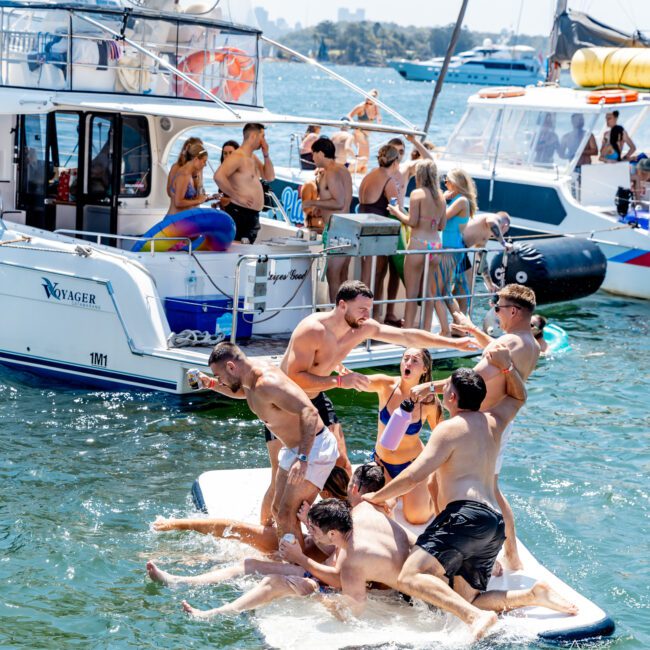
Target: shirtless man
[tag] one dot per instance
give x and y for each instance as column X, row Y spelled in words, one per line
column 514, row 309
column 309, row 450
column 452, row 560
column 334, row 195
column 239, row 178
column 299, row 576
column 321, row 342
column 344, row 144
column 478, row 231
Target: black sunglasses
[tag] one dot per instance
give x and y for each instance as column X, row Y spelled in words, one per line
column 498, row 308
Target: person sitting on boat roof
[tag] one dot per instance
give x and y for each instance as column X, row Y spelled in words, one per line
column 180, row 161
column 239, row 177
column 262, row 536
column 538, row 323
column 612, row 149
column 345, row 144
column 547, row 143
column 368, row 111
column 306, row 157
column 571, row 141
column 611, row 119
column 184, row 194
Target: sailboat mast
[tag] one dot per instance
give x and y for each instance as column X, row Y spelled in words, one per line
column 443, row 71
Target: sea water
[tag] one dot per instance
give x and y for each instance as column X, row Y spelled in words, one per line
column 85, row 473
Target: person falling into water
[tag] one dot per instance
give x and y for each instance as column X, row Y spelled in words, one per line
column 239, row 178
column 308, row 449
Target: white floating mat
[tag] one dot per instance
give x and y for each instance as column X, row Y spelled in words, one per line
column 302, row 623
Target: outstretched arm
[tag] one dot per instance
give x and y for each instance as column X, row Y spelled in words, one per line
column 425, row 154
column 435, row 453
column 465, row 324
column 414, row 338
column 211, row 384
column 331, row 575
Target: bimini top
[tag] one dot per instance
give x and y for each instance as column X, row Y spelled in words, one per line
column 120, row 49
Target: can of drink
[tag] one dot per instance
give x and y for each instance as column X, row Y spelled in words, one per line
column 393, row 200
column 290, row 538
column 193, row 379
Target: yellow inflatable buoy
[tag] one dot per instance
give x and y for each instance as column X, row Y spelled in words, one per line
column 610, row 66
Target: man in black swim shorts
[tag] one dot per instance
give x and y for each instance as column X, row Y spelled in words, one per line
column 452, row 560
column 239, row 178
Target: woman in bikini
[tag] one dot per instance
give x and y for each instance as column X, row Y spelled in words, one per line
column 180, row 161
column 368, row 111
column 375, row 192
column 461, row 206
column 415, row 368
column 426, row 217
column 184, row 193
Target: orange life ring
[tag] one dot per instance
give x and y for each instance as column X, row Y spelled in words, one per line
column 612, row 96
column 236, row 73
column 499, row 92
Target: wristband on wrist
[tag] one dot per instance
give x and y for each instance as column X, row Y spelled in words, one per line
column 510, row 368
column 339, row 381
column 212, row 383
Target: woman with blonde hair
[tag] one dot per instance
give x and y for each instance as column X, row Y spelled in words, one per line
column 461, row 206
column 426, row 218
column 180, row 161
column 184, row 194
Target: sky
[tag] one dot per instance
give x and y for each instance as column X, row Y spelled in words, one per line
column 533, row 16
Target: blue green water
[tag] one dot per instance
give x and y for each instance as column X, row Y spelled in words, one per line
column 84, row 473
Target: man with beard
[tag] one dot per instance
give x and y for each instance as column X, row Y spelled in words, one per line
column 309, row 450
column 321, row 341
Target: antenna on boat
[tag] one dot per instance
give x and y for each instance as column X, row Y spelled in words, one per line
column 120, row 36
column 343, row 80
column 443, row 71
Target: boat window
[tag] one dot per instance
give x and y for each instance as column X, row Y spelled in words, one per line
column 540, row 140
column 33, row 176
column 135, row 177
column 472, row 137
column 57, row 49
column 101, row 159
column 63, row 145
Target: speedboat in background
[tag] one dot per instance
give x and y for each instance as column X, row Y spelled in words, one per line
column 487, row 65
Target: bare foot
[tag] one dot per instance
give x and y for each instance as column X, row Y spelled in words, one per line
column 546, row 596
column 158, row 575
column 162, row 524
column 497, row 569
column 198, row 613
column 481, row 626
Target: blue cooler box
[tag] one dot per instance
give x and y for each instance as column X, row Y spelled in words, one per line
column 207, row 313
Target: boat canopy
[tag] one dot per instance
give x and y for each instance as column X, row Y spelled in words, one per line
column 111, row 49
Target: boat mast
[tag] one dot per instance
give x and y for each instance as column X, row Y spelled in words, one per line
column 443, row 71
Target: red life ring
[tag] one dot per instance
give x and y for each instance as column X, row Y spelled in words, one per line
column 236, row 73
column 612, row 96
column 498, row 92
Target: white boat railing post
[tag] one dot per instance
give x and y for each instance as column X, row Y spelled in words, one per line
column 425, row 290
column 373, row 273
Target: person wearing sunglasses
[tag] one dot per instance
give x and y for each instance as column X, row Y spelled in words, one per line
column 514, row 309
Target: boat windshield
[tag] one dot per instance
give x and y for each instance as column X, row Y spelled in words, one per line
column 59, row 48
column 522, row 138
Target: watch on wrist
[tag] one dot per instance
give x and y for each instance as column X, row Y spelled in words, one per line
column 302, row 458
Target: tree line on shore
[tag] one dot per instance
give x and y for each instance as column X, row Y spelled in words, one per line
column 372, row 43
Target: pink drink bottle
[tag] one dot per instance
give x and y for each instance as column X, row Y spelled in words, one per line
column 397, row 425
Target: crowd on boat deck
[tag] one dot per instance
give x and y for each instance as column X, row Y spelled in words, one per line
column 349, row 542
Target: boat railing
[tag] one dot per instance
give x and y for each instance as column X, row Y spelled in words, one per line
column 315, row 306
column 148, row 240
column 112, row 50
